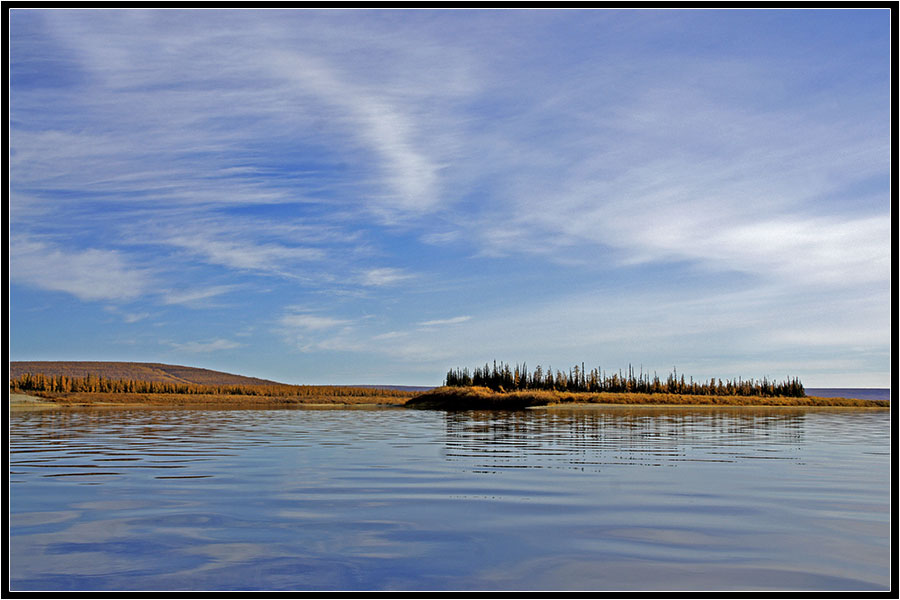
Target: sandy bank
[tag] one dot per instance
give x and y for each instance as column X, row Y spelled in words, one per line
column 26, row 402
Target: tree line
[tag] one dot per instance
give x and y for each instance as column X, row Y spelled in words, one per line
column 39, row 382
column 502, row 377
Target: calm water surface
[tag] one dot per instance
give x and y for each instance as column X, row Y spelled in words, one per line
column 583, row 499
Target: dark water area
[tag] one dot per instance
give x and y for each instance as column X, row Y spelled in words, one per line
column 614, row 499
column 859, row 393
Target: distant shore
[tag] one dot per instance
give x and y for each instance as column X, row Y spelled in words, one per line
column 43, row 400
column 438, row 399
column 36, row 385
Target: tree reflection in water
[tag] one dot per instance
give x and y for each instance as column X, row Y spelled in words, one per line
column 567, row 437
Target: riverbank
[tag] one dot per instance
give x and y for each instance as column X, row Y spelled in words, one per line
column 443, row 398
column 478, row 398
column 135, row 400
column 26, row 402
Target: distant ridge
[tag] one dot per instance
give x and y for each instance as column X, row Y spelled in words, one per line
column 136, row 371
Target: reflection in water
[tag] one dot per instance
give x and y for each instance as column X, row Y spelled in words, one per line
column 610, row 499
column 640, row 436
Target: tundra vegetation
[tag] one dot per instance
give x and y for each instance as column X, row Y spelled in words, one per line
column 93, row 389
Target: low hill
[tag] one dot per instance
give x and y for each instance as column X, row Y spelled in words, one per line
column 136, row 371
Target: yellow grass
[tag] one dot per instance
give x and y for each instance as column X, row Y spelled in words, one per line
column 217, row 400
column 461, row 398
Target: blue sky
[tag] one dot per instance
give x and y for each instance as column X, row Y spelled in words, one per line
column 377, row 196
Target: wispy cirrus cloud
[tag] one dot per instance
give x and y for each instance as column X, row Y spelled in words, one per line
column 450, row 321
column 384, row 276
column 376, row 119
column 676, row 173
column 196, row 297
column 246, row 255
column 276, row 91
column 128, row 316
column 653, row 169
column 311, row 322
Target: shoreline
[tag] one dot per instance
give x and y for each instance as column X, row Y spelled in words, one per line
column 478, row 398
column 19, row 401
column 600, row 405
column 27, row 402
column 439, row 399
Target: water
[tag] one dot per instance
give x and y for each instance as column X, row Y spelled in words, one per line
column 861, row 393
column 561, row 499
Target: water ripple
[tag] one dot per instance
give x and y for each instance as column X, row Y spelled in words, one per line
column 381, row 500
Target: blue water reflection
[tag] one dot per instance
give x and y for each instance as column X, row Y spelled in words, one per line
column 578, row 499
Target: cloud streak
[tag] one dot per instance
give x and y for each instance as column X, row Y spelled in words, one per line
column 197, row 297
column 384, row 276
column 450, row 321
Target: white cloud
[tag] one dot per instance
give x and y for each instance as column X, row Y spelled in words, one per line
column 390, row 335
column 310, row 322
column 91, row 274
column 441, row 237
column 394, row 121
column 126, row 316
column 134, row 317
column 450, row 321
column 196, row 297
column 247, row 255
column 384, row 276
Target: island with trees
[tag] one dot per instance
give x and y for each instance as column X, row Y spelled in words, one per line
column 503, row 386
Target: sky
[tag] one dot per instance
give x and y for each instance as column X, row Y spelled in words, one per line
column 378, row 196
